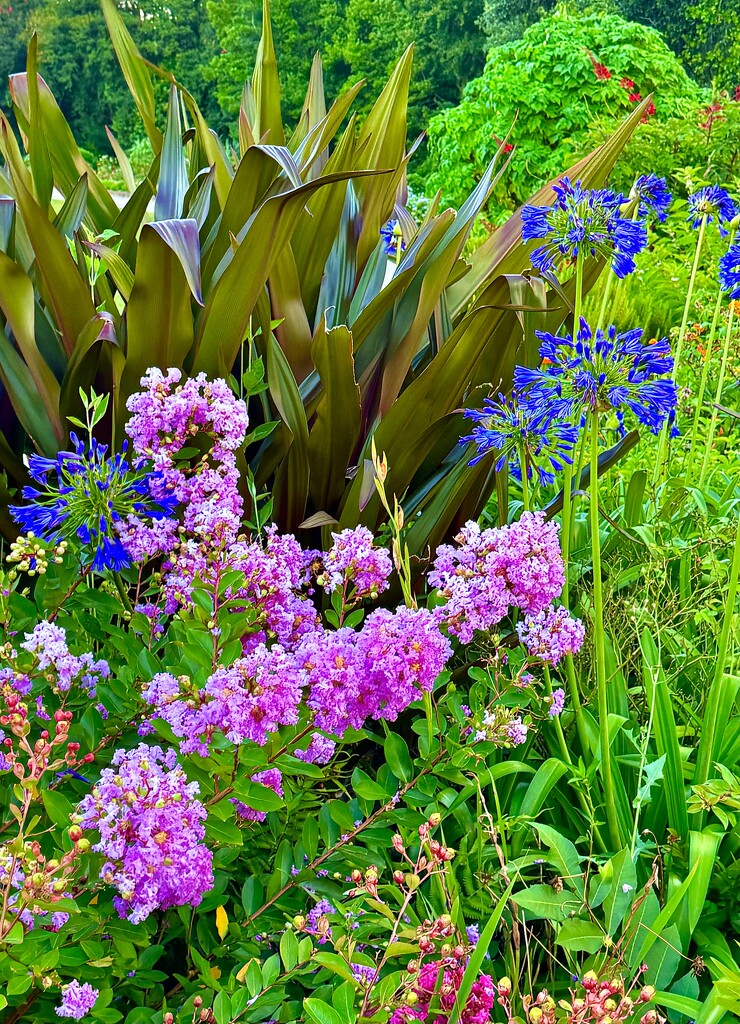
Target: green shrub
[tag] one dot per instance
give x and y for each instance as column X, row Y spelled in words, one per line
column 544, row 89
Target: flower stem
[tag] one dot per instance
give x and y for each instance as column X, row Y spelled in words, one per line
column 689, row 296
column 704, row 375
column 718, row 394
column 679, row 344
column 601, row 683
column 525, row 482
column 120, row 587
column 565, row 538
column 607, row 295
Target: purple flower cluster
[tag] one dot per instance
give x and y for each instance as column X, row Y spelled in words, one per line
column 245, row 701
column 597, row 372
column 715, row 204
column 77, row 1000
column 168, row 416
column 349, row 676
column 316, row 921
column 491, row 570
column 48, row 643
column 551, row 634
column 585, row 222
column 151, row 827
column 354, row 562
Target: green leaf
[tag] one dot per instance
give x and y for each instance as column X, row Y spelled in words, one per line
column 17, row 304
column 291, row 483
column 124, row 163
column 397, row 757
column 320, row 1013
column 173, row 174
column 652, row 772
column 65, row 289
column 38, row 145
column 222, row 1008
column 159, row 316
column 67, row 161
column 134, row 71
column 364, row 786
column 289, row 949
column 542, row 901
column 266, row 85
column 476, row 957
column 580, row 936
column 337, row 422
column 620, row 870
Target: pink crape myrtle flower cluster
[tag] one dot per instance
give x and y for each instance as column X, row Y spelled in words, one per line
column 326, row 675
column 151, row 826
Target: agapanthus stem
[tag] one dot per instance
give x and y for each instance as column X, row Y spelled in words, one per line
column 525, row 482
column 689, row 296
column 710, row 722
column 679, row 344
column 718, row 394
column 607, row 296
column 566, row 534
column 599, row 646
column 705, row 374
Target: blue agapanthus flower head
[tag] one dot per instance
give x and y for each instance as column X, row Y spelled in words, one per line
column 729, row 272
column 587, row 221
column 83, row 495
column 653, row 196
column 715, row 204
column 598, row 372
column 506, row 427
column 391, row 235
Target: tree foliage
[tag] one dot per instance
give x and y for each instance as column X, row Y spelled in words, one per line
column 535, row 88
column 705, row 34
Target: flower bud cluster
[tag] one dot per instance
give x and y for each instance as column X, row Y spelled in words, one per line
column 33, row 555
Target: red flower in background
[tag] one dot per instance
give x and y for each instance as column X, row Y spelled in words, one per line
column 736, row 95
column 635, row 97
column 711, row 114
column 601, row 71
column 649, row 111
column 627, row 84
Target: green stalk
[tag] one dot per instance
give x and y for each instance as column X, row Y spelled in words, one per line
column 564, row 752
column 718, row 394
column 607, row 295
column 689, row 296
column 565, row 538
column 569, row 469
column 601, row 683
column 710, row 723
column 704, row 375
column 121, row 588
column 525, row 481
column 679, row 344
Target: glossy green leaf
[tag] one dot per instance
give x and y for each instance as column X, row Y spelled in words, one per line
column 134, row 71
column 266, row 86
column 62, row 283
column 159, row 319
column 17, row 304
column 173, row 174
column 336, row 425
